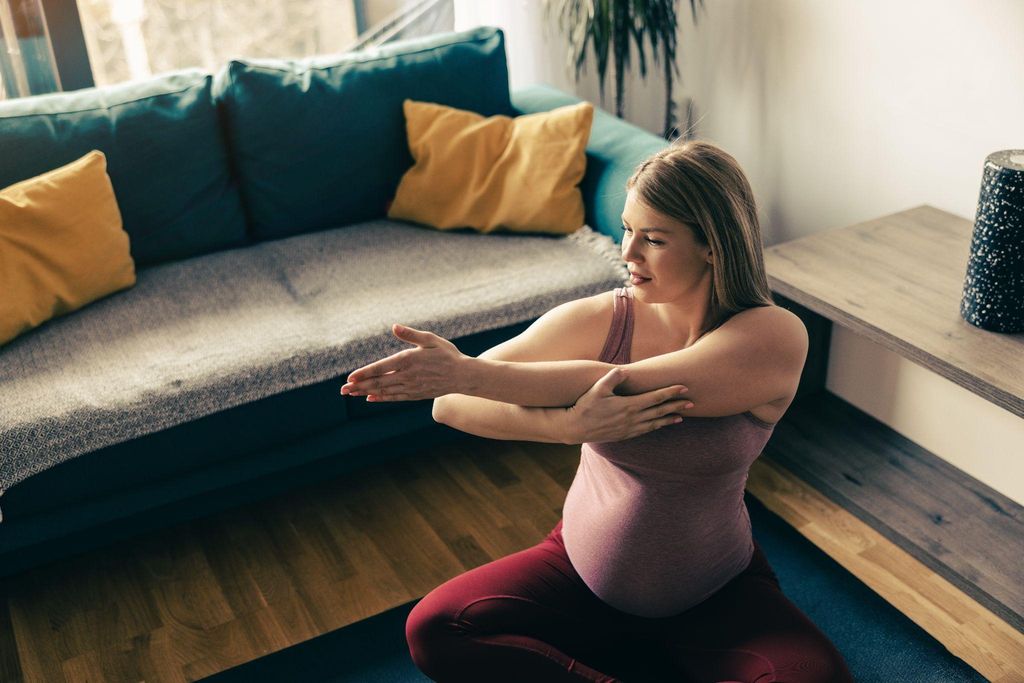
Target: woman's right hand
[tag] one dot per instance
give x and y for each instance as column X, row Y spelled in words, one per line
column 600, row 415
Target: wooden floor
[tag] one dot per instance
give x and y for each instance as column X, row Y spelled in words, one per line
column 205, row 596
column 958, row 527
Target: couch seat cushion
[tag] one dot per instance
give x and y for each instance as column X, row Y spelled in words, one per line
column 205, row 334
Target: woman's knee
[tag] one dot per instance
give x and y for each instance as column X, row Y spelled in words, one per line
column 832, row 666
column 819, row 662
column 788, row 660
column 429, row 633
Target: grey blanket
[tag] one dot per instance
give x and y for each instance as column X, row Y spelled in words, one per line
column 205, row 334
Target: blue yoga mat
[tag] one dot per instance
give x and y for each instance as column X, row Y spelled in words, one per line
column 880, row 644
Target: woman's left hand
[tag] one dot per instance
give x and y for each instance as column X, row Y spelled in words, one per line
column 430, row 370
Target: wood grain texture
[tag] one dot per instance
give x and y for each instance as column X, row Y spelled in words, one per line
column 898, row 280
column 967, row 629
column 961, row 529
column 208, row 595
column 10, row 665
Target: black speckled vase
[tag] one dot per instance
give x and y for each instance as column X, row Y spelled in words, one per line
column 994, row 286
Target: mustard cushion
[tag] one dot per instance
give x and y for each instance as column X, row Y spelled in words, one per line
column 519, row 174
column 62, row 244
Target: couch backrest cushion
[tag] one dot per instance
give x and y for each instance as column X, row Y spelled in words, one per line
column 320, row 142
column 165, row 156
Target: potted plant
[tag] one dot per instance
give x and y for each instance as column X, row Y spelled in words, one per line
column 612, row 25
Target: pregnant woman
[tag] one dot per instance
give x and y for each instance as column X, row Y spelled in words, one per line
column 652, row 573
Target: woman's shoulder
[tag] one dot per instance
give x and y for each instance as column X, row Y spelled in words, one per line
column 574, row 330
column 595, row 310
column 587, row 320
column 772, row 322
column 772, row 315
column 596, row 303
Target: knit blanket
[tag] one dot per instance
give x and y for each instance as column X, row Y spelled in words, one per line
column 209, row 333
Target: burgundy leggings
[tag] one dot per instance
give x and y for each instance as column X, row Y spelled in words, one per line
column 530, row 617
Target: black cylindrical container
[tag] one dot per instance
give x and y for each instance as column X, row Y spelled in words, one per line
column 994, row 286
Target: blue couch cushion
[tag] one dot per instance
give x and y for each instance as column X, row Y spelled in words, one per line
column 165, row 151
column 320, row 142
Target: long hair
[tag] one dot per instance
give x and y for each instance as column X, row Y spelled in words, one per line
column 703, row 186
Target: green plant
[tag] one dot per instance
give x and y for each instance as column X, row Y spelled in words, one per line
column 610, row 25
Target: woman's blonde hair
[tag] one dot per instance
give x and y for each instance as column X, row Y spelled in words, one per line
column 702, row 185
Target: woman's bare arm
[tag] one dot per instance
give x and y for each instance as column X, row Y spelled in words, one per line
column 570, row 331
column 537, row 383
column 599, row 415
column 498, row 420
column 754, row 358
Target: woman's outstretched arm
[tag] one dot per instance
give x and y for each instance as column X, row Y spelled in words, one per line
column 595, row 412
column 570, row 331
column 504, row 421
column 753, row 358
column 538, row 383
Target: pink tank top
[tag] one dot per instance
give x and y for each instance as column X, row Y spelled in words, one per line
column 656, row 524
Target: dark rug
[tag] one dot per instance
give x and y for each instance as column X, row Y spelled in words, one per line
column 880, row 644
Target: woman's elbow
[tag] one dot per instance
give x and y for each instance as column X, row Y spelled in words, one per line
column 440, row 410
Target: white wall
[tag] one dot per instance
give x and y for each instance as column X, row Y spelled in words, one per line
column 840, row 112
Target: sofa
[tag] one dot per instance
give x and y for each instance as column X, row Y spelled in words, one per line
column 255, row 200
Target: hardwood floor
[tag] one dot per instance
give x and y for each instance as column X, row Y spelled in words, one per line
column 207, row 595
column 966, row 628
column 957, row 526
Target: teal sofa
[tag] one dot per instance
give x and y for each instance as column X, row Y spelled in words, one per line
column 243, row 193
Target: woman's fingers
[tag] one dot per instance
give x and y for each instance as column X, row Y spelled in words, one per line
column 670, row 420
column 655, row 424
column 665, row 421
column 380, row 398
column 383, row 385
column 658, row 397
column 375, row 369
column 667, row 394
column 611, row 379
column 667, row 407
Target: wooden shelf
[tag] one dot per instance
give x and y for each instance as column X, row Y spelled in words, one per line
column 958, row 527
column 898, row 280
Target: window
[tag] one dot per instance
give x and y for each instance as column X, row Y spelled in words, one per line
column 27, row 65
column 134, row 39
column 100, row 42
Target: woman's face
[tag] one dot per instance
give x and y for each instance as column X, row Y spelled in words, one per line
column 665, row 259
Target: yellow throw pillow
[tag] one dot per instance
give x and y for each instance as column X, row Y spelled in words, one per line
column 62, row 245
column 519, row 174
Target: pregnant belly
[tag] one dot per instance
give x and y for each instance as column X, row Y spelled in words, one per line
column 648, row 565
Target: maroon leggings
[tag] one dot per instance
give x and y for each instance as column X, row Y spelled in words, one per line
column 530, row 617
